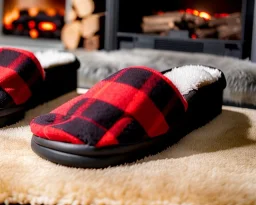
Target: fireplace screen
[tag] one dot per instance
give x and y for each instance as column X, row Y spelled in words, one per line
column 196, row 19
column 33, row 18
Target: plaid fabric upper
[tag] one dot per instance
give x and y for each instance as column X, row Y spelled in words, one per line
column 20, row 75
column 129, row 106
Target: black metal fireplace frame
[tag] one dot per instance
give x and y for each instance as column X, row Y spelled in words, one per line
column 246, row 47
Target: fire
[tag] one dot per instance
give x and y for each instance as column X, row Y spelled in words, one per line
column 33, row 11
column 15, row 14
column 11, row 16
column 205, row 15
column 47, row 26
column 201, row 14
column 51, row 12
column 196, row 13
column 33, row 33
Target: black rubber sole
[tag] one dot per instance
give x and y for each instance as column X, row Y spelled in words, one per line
column 11, row 116
column 73, row 160
column 204, row 105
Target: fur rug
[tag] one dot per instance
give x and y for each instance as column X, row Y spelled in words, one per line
column 240, row 74
column 214, row 165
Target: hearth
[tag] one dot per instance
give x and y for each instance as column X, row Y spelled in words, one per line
column 221, row 27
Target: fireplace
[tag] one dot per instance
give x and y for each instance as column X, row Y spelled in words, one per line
column 35, row 19
column 194, row 24
column 221, row 27
column 32, row 24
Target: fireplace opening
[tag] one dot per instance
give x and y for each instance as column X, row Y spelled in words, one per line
column 194, row 19
column 219, row 27
column 33, row 18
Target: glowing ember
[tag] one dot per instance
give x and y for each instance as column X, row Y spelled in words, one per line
column 8, row 26
column 33, row 33
column 189, row 11
column 47, row 26
column 31, row 24
column 221, row 15
column 193, row 36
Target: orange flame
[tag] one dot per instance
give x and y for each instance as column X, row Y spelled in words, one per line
column 205, row 15
column 201, row 14
column 51, row 12
column 33, row 11
column 11, row 16
column 195, row 12
column 47, row 26
column 33, row 33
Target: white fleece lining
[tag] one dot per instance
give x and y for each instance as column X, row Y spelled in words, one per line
column 186, row 78
column 192, row 77
column 51, row 58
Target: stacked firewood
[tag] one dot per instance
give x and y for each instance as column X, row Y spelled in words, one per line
column 84, row 27
column 222, row 27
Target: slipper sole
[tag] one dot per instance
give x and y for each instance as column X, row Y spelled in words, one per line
column 11, row 115
column 84, row 156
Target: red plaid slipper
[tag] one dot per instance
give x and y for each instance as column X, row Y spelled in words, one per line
column 132, row 113
column 20, row 77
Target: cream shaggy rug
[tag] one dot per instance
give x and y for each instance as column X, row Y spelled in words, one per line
column 213, row 165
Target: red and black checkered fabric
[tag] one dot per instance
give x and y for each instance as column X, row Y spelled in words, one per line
column 20, row 76
column 129, row 106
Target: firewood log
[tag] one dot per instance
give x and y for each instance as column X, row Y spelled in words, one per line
column 91, row 24
column 151, row 28
column 196, row 20
column 162, row 19
column 229, row 31
column 92, row 43
column 71, row 16
column 204, row 33
column 71, row 35
column 83, row 7
column 170, row 13
column 234, row 18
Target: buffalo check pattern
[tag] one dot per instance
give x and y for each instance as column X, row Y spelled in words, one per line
column 20, row 76
column 132, row 105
